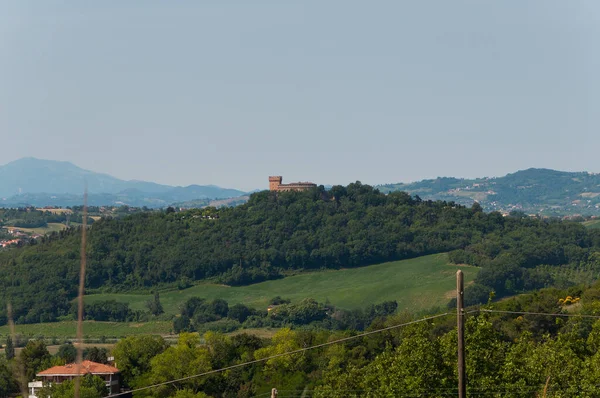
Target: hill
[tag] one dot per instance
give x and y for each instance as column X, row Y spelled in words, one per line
column 278, row 234
column 416, row 284
column 537, row 191
column 36, row 182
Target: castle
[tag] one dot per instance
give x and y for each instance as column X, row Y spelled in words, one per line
column 276, row 185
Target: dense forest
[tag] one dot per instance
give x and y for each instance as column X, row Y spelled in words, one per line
column 275, row 234
column 507, row 355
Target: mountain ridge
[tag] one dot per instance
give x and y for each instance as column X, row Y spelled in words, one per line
column 533, row 190
column 40, row 182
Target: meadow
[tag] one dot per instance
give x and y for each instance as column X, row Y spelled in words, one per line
column 592, row 224
column 417, row 284
column 91, row 329
column 52, row 227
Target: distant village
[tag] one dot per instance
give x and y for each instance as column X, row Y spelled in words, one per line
column 17, row 237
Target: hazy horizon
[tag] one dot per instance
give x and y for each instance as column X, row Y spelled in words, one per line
column 227, row 93
column 287, row 180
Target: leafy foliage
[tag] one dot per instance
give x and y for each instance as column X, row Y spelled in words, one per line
column 507, row 355
column 9, row 348
column 91, row 387
column 33, row 358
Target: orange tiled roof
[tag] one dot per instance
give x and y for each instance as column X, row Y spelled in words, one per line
column 87, row 367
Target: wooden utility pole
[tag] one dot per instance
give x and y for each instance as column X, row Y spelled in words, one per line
column 274, row 393
column 460, row 319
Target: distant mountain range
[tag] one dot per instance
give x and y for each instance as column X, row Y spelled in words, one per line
column 533, row 191
column 38, row 182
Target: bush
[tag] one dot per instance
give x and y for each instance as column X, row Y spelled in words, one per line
column 221, row 326
column 239, row 312
column 277, row 300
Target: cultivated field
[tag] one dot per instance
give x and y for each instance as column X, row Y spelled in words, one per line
column 57, row 211
column 417, row 284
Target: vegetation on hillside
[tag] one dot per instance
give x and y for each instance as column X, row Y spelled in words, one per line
column 36, row 218
column 416, row 284
column 507, row 355
column 538, row 191
column 274, row 234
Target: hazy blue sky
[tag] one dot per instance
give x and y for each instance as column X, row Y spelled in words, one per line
column 228, row 92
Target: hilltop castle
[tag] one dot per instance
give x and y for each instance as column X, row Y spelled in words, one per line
column 276, row 185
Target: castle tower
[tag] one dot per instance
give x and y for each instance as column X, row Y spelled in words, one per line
column 275, row 182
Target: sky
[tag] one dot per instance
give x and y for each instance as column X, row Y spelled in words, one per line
column 229, row 92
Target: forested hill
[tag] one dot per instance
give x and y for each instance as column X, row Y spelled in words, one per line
column 539, row 191
column 275, row 233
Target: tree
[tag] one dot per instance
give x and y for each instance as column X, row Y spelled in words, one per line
column 95, row 354
column 67, row 352
column 179, row 361
column 9, row 350
column 181, row 324
column 154, row 305
column 189, row 307
column 8, row 384
column 219, row 307
column 134, row 353
column 239, row 312
column 189, row 394
column 34, row 358
column 285, row 340
column 415, row 365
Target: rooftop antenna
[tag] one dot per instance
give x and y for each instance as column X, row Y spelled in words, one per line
column 80, row 296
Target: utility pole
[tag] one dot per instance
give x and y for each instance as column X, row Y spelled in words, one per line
column 460, row 319
column 274, row 393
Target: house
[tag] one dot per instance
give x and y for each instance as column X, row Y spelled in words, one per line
column 59, row 374
column 6, row 243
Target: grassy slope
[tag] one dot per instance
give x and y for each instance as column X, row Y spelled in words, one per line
column 416, row 284
column 90, row 329
column 592, row 224
column 52, row 227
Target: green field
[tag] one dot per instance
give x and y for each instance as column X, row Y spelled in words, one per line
column 91, row 329
column 592, row 224
column 52, row 227
column 416, row 284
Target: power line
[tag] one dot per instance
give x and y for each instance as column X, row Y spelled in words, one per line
column 280, row 355
column 351, row 338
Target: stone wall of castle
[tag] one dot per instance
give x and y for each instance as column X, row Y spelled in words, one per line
column 275, row 184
